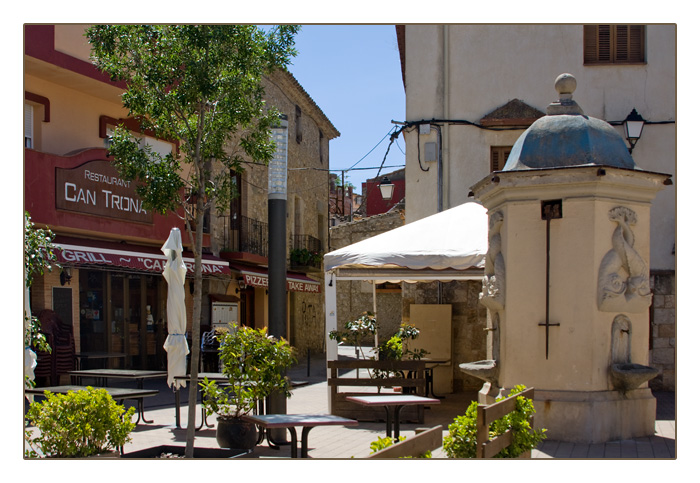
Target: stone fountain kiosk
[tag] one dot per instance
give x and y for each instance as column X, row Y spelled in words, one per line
column 567, row 277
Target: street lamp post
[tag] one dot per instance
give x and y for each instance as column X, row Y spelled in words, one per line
column 277, row 253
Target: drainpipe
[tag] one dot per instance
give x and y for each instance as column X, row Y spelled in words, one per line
column 445, row 108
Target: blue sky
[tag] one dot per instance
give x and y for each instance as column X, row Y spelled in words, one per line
column 353, row 73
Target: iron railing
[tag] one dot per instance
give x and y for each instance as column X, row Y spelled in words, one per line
column 248, row 235
column 305, row 251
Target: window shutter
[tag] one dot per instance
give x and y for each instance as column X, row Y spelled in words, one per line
column 590, row 43
column 28, row 126
column 499, row 156
column 607, row 44
column 622, row 43
column 494, row 159
column 604, row 43
column 636, row 48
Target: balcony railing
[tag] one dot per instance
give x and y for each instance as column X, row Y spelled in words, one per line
column 248, row 235
column 306, row 252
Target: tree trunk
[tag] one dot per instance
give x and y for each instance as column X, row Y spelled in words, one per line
column 196, row 319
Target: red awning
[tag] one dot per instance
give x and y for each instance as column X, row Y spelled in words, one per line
column 83, row 252
column 258, row 277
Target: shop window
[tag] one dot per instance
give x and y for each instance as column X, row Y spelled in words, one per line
column 499, row 156
column 614, row 44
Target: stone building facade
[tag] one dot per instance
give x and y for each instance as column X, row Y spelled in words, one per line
column 355, row 297
column 472, row 94
column 240, row 233
column 112, row 293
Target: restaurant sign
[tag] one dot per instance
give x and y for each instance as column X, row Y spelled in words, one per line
column 293, row 285
column 79, row 255
column 96, row 188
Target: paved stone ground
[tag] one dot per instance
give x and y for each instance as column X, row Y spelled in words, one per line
column 338, row 442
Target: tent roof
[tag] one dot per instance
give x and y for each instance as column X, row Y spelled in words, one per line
column 449, row 241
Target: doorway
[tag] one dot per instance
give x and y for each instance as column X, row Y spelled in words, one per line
column 123, row 313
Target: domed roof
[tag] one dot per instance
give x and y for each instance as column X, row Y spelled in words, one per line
column 566, row 137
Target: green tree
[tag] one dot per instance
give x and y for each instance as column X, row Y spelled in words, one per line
column 38, row 256
column 199, row 86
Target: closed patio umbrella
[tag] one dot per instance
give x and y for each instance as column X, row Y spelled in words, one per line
column 176, row 342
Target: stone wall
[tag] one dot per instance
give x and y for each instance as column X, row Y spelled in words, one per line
column 662, row 320
column 355, row 297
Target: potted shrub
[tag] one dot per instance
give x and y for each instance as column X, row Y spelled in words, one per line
column 255, row 364
column 77, row 425
column 461, row 439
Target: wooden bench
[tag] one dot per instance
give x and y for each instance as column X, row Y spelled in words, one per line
column 485, row 415
column 414, row 446
column 413, row 384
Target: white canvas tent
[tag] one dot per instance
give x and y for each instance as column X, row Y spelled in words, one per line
column 450, row 245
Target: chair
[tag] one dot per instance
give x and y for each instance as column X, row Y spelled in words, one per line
column 61, row 359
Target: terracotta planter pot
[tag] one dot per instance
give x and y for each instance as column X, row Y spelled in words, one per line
column 235, row 433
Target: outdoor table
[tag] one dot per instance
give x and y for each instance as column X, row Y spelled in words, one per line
column 105, row 374
column 398, row 402
column 135, row 374
column 217, row 377
column 291, row 421
column 82, row 356
column 118, row 393
column 431, row 364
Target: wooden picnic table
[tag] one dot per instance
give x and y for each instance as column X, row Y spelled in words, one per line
column 291, row 421
column 117, row 393
column 398, row 402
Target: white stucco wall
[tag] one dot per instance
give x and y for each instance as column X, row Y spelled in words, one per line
column 488, row 65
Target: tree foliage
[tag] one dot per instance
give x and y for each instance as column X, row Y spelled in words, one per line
column 198, row 86
column 38, row 256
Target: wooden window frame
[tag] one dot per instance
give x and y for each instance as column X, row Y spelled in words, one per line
column 499, row 156
column 614, row 44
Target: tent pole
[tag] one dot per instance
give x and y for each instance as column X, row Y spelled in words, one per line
column 376, row 333
column 331, row 324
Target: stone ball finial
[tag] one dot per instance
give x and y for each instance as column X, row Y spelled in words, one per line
column 565, row 84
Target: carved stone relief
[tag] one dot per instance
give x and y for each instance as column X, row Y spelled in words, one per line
column 623, row 278
column 493, row 294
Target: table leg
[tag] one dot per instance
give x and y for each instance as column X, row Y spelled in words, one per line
column 293, row 434
column 177, row 408
column 397, row 420
column 430, row 384
column 138, row 413
column 388, row 421
column 305, row 441
column 142, row 410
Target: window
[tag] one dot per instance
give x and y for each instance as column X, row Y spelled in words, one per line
column 499, row 156
column 320, row 146
column 613, row 44
column 297, row 122
column 28, row 126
